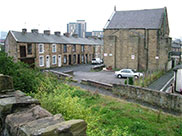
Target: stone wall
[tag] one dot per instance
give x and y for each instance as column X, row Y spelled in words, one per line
column 168, row 102
column 138, row 49
column 21, row 115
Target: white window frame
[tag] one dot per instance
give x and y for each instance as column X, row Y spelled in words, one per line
column 42, row 48
column 41, row 65
column 55, row 59
column 54, row 48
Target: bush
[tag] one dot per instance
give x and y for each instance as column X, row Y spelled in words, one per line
column 24, row 78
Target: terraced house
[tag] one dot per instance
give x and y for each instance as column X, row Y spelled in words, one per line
column 137, row 39
column 47, row 50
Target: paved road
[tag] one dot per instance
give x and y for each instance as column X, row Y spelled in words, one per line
column 158, row 84
column 83, row 72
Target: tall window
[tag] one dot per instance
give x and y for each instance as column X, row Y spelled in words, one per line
column 82, row 46
column 65, row 48
column 74, row 48
column 54, row 60
column 29, row 48
column 74, row 59
column 41, row 48
column 41, row 61
column 65, row 59
column 53, row 47
column 82, row 58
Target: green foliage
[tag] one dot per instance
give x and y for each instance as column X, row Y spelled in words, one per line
column 148, row 79
column 126, row 82
column 131, row 80
column 24, row 78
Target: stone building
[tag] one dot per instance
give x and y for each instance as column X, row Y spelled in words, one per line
column 47, row 50
column 137, row 39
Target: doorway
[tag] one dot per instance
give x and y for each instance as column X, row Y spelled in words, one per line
column 59, row 61
column 22, row 51
column 78, row 59
column 69, row 59
column 47, row 61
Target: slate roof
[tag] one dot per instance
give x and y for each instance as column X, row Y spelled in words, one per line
column 148, row 18
column 29, row 37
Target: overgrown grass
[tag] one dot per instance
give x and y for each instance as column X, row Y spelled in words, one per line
column 148, row 79
column 105, row 116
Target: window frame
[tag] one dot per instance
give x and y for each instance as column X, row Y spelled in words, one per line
column 65, row 62
column 54, row 48
column 55, row 59
column 29, row 45
column 40, row 48
column 65, row 49
column 82, row 48
column 74, row 48
column 41, row 65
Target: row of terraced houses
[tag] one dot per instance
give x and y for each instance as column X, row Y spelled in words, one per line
column 47, row 50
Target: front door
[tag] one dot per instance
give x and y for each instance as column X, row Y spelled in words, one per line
column 59, row 61
column 69, row 59
column 47, row 61
column 22, row 51
column 78, row 59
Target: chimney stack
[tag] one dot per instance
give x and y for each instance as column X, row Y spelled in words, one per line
column 47, row 32
column 57, row 33
column 67, row 34
column 24, row 30
column 35, row 31
column 75, row 35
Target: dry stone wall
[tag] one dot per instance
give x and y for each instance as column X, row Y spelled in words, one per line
column 21, row 115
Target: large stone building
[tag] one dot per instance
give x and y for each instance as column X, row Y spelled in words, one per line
column 47, row 50
column 137, row 39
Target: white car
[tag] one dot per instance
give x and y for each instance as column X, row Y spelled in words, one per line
column 97, row 61
column 128, row 73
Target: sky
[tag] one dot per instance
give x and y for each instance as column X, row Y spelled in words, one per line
column 55, row 14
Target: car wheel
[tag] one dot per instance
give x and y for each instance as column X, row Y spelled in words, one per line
column 136, row 77
column 119, row 76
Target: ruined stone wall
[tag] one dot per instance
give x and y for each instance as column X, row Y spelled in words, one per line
column 11, row 47
column 21, row 115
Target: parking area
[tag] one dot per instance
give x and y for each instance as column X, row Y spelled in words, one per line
column 84, row 72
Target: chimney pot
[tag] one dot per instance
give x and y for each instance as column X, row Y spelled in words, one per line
column 57, row 33
column 35, row 31
column 47, row 32
column 24, row 30
column 67, row 34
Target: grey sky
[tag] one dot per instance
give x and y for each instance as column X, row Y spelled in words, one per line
column 55, row 14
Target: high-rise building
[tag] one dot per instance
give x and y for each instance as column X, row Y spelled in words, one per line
column 78, row 28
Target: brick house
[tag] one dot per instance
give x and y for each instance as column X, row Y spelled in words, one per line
column 137, row 39
column 46, row 50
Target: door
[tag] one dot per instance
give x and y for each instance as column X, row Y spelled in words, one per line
column 59, row 61
column 69, row 59
column 47, row 61
column 22, row 51
column 78, row 59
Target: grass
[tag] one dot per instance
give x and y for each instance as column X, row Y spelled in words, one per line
column 107, row 116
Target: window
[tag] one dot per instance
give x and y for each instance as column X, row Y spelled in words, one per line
column 65, row 48
column 41, row 48
column 65, row 59
column 74, row 59
column 29, row 48
column 41, row 61
column 54, row 61
column 53, row 47
column 82, row 48
column 82, row 58
column 74, row 48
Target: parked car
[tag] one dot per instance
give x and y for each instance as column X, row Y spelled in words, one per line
column 97, row 61
column 128, row 73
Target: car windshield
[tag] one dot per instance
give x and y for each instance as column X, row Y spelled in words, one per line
column 134, row 71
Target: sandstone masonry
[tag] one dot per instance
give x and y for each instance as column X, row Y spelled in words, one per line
column 21, row 115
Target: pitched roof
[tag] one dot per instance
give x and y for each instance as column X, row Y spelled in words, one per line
column 148, row 18
column 29, row 37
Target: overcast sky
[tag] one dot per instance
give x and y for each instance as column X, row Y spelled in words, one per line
column 55, row 14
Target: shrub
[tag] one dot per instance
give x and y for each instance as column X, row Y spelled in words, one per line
column 24, row 78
